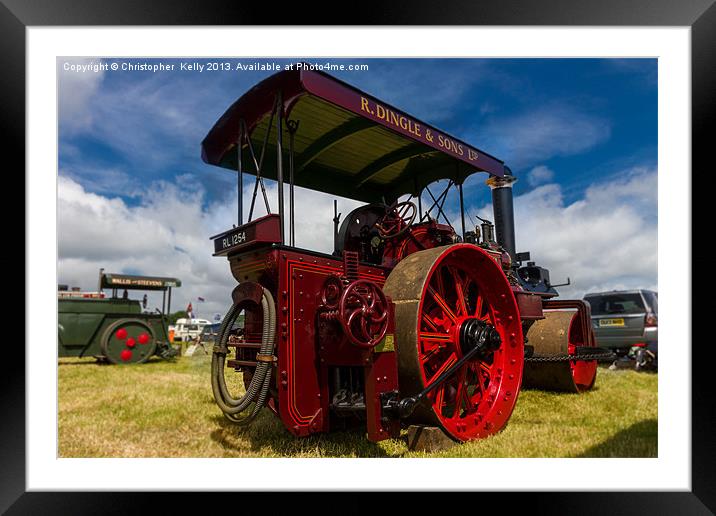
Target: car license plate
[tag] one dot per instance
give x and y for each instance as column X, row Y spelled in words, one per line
column 611, row 322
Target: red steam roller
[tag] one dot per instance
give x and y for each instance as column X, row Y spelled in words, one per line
column 407, row 321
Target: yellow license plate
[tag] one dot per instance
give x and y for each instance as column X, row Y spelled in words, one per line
column 611, row 322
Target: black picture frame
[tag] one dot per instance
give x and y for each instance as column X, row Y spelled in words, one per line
column 700, row 15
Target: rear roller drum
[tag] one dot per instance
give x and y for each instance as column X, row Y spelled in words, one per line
column 439, row 295
column 559, row 334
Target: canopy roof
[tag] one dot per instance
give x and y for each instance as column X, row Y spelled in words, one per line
column 348, row 143
column 109, row 280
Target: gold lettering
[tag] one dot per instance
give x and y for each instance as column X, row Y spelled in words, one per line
column 364, row 104
column 416, row 127
column 380, row 111
column 394, row 118
column 403, row 122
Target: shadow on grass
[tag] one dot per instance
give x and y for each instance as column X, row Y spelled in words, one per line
column 266, row 435
column 88, row 361
column 79, row 362
column 595, row 388
column 639, row 440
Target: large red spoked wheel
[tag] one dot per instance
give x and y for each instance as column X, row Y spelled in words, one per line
column 559, row 334
column 128, row 341
column 436, row 293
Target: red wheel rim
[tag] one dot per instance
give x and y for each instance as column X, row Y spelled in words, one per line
column 479, row 398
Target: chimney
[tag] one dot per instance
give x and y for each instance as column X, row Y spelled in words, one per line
column 503, row 211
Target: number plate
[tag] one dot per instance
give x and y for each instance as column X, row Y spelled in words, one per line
column 266, row 230
column 611, row 322
column 235, row 238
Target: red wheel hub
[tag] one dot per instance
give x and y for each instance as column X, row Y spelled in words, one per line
column 125, row 355
column 143, row 338
column 121, row 334
column 131, row 342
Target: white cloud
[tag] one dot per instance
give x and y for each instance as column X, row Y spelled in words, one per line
column 556, row 130
column 606, row 240
column 168, row 234
column 152, row 120
column 540, row 175
column 423, row 90
column 75, row 91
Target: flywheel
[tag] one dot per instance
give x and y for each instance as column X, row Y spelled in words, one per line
column 438, row 294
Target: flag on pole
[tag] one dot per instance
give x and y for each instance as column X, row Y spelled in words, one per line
column 190, row 311
column 200, row 298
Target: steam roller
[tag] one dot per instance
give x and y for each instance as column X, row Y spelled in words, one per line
column 408, row 321
column 560, row 334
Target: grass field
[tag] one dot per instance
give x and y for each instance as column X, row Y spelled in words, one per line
column 166, row 409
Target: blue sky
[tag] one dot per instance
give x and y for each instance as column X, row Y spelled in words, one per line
column 570, row 129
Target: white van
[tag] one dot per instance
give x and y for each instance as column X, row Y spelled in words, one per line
column 186, row 330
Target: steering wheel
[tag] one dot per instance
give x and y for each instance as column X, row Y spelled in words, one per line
column 397, row 219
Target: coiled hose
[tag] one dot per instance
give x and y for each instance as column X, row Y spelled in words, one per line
column 258, row 388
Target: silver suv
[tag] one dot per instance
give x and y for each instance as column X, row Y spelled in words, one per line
column 625, row 318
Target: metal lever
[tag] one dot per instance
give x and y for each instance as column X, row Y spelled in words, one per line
column 563, row 284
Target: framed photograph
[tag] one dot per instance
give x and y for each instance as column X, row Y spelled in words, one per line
column 504, row 184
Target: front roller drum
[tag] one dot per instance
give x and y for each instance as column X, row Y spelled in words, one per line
column 558, row 335
column 436, row 293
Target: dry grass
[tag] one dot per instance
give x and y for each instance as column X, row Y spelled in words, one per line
column 166, row 409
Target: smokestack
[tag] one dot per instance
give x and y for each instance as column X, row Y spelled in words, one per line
column 502, row 208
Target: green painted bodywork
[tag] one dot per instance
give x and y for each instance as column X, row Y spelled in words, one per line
column 83, row 322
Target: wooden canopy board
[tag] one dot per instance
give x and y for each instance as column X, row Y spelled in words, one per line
column 347, row 143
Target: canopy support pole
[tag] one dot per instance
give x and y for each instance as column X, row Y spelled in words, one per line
column 240, row 173
column 462, row 212
column 279, row 160
column 419, row 195
column 292, row 126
